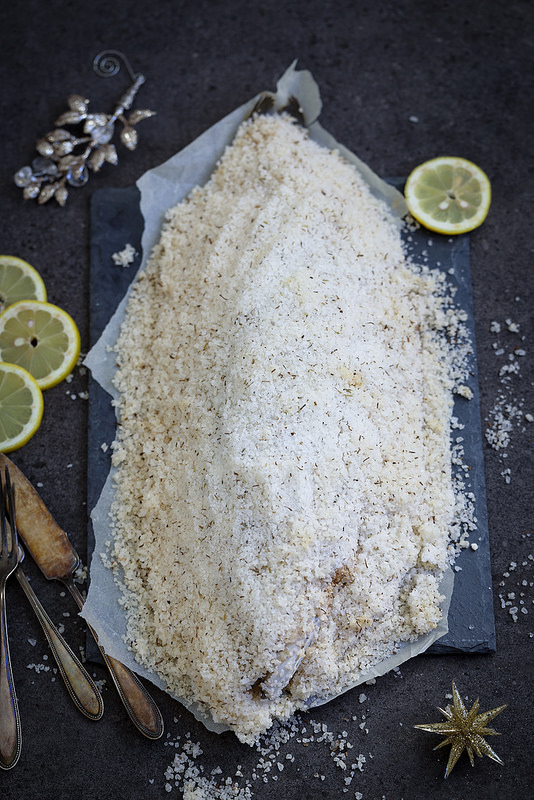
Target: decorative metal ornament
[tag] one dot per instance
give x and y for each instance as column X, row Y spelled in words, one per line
column 464, row 730
column 66, row 158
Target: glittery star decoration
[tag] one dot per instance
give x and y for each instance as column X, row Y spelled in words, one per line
column 465, row 730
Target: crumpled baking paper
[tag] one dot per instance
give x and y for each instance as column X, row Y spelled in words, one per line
column 162, row 188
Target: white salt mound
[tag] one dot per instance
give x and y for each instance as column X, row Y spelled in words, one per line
column 283, row 492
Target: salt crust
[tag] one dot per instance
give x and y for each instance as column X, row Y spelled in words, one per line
column 283, row 491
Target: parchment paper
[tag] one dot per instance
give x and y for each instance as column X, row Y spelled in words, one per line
column 160, row 189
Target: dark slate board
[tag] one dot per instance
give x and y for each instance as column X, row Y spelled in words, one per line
column 116, row 220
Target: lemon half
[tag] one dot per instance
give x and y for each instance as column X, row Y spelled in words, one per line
column 19, row 281
column 21, row 407
column 41, row 338
column 448, row 195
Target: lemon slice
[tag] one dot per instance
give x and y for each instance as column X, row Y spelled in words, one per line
column 448, row 195
column 21, row 407
column 19, row 281
column 40, row 337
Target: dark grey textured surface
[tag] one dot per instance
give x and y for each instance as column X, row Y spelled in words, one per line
column 401, row 82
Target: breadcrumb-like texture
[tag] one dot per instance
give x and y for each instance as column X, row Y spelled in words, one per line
column 283, row 489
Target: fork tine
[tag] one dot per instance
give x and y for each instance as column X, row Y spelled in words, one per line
column 3, row 521
column 10, row 494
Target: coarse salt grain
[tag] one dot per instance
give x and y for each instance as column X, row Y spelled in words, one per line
column 125, row 257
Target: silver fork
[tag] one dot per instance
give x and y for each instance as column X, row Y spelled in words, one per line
column 10, row 730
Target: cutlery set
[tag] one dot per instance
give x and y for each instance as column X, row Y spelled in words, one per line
column 24, row 515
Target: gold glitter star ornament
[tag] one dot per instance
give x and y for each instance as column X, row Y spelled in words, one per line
column 465, row 730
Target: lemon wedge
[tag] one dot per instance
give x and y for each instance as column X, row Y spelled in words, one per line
column 40, row 337
column 448, row 195
column 21, row 407
column 19, row 281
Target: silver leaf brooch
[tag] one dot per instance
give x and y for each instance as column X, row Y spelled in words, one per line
column 66, row 158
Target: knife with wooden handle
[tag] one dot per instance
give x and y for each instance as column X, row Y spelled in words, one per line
column 57, row 559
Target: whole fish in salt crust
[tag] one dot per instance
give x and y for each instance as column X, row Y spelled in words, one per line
column 283, row 493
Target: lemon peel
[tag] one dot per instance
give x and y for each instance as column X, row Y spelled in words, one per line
column 21, row 407
column 448, row 195
column 19, row 281
column 40, row 337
